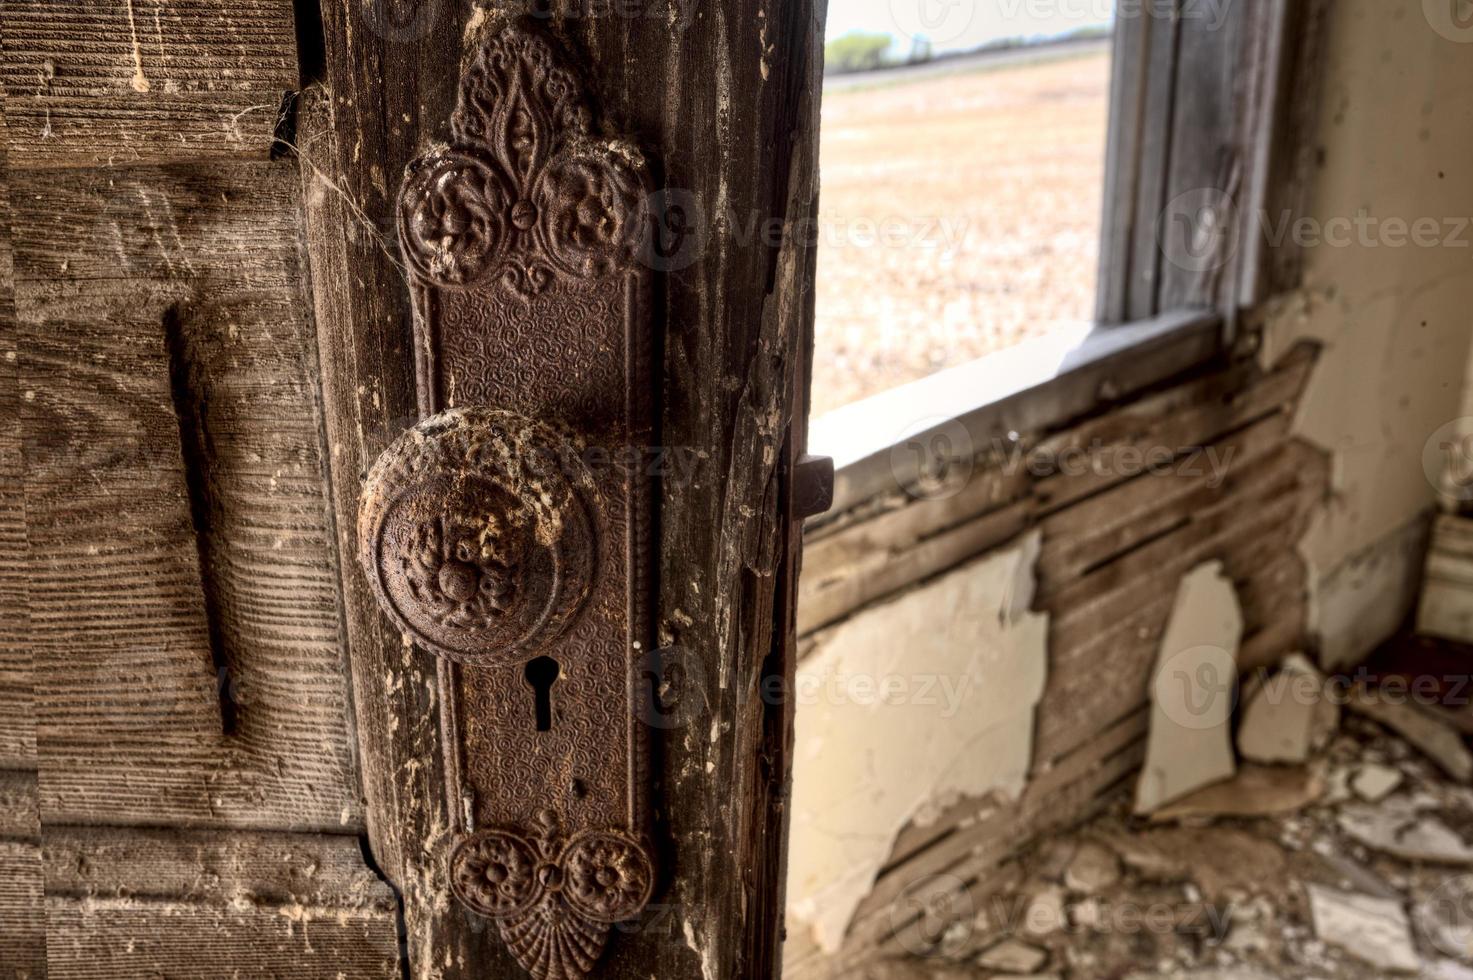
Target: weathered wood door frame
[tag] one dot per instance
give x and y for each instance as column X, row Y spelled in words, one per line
column 724, row 98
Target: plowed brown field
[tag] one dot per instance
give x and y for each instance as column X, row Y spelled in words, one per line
column 960, row 214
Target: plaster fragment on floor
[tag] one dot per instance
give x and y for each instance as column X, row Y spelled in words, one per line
column 927, row 696
column 1235, row 973
column 1094, row 869
column 1429, row 735
column 1287, row 716
column 1445, row 917
column 1013, row 956
column 1192, row 693
column 1045, row 914
column 1373, row 782
column 911, row 969
column 1256, row 791
column 1398, row 828
column 1374, row 930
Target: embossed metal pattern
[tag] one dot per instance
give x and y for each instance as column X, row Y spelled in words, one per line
column 509, row 533
column 555, row 897
column 478, row 538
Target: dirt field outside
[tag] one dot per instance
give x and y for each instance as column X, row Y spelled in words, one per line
column 960, row 214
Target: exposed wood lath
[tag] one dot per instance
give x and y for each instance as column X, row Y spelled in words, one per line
column 1117, row 538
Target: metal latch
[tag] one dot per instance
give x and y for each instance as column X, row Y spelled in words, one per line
column 509, row 533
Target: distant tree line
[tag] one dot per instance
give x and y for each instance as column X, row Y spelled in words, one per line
column 863, row 51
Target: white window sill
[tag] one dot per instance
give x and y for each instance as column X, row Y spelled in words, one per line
column 1034, row 386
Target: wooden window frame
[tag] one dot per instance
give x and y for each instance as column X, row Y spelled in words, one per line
column 1226, row 107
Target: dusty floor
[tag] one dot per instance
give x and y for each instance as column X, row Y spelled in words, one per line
column 1357, row 864
column 959, row 215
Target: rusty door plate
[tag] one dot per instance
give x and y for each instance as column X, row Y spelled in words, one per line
column 509, row 532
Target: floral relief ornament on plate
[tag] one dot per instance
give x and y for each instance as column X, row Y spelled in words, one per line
column 553, row 899
column 476, row 535
column 526, row 192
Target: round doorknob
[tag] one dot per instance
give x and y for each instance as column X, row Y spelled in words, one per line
column 475, row 534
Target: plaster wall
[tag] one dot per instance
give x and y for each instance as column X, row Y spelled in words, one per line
column 1394, row 313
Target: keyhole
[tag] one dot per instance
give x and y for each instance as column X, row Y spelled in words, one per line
column 542, row 673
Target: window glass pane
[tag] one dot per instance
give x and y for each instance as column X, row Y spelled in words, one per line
column 962, row 172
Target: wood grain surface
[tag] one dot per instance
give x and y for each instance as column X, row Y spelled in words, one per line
column 118, row 82
column 17, row 699
column 22, row 881
column 148, row 903
column 182, row 589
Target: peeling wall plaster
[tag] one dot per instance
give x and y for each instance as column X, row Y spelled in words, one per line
column 1191, row 743
column 1395, row 323
column 1397, row 139
column 923, row 698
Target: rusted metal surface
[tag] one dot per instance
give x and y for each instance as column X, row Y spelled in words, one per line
column 509, row 532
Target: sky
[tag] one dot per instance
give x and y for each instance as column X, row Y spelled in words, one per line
column 964, row 24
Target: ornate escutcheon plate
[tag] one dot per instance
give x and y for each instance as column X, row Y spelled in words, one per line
column 509, row 532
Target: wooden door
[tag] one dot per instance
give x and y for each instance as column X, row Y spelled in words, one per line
column 178, row 782
column 723, row 100
column 217, row 756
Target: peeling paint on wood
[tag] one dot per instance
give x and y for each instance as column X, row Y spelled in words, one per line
column 910, row 703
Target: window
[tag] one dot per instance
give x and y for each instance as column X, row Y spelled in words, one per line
column 962, row 172
column 1209, row 110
